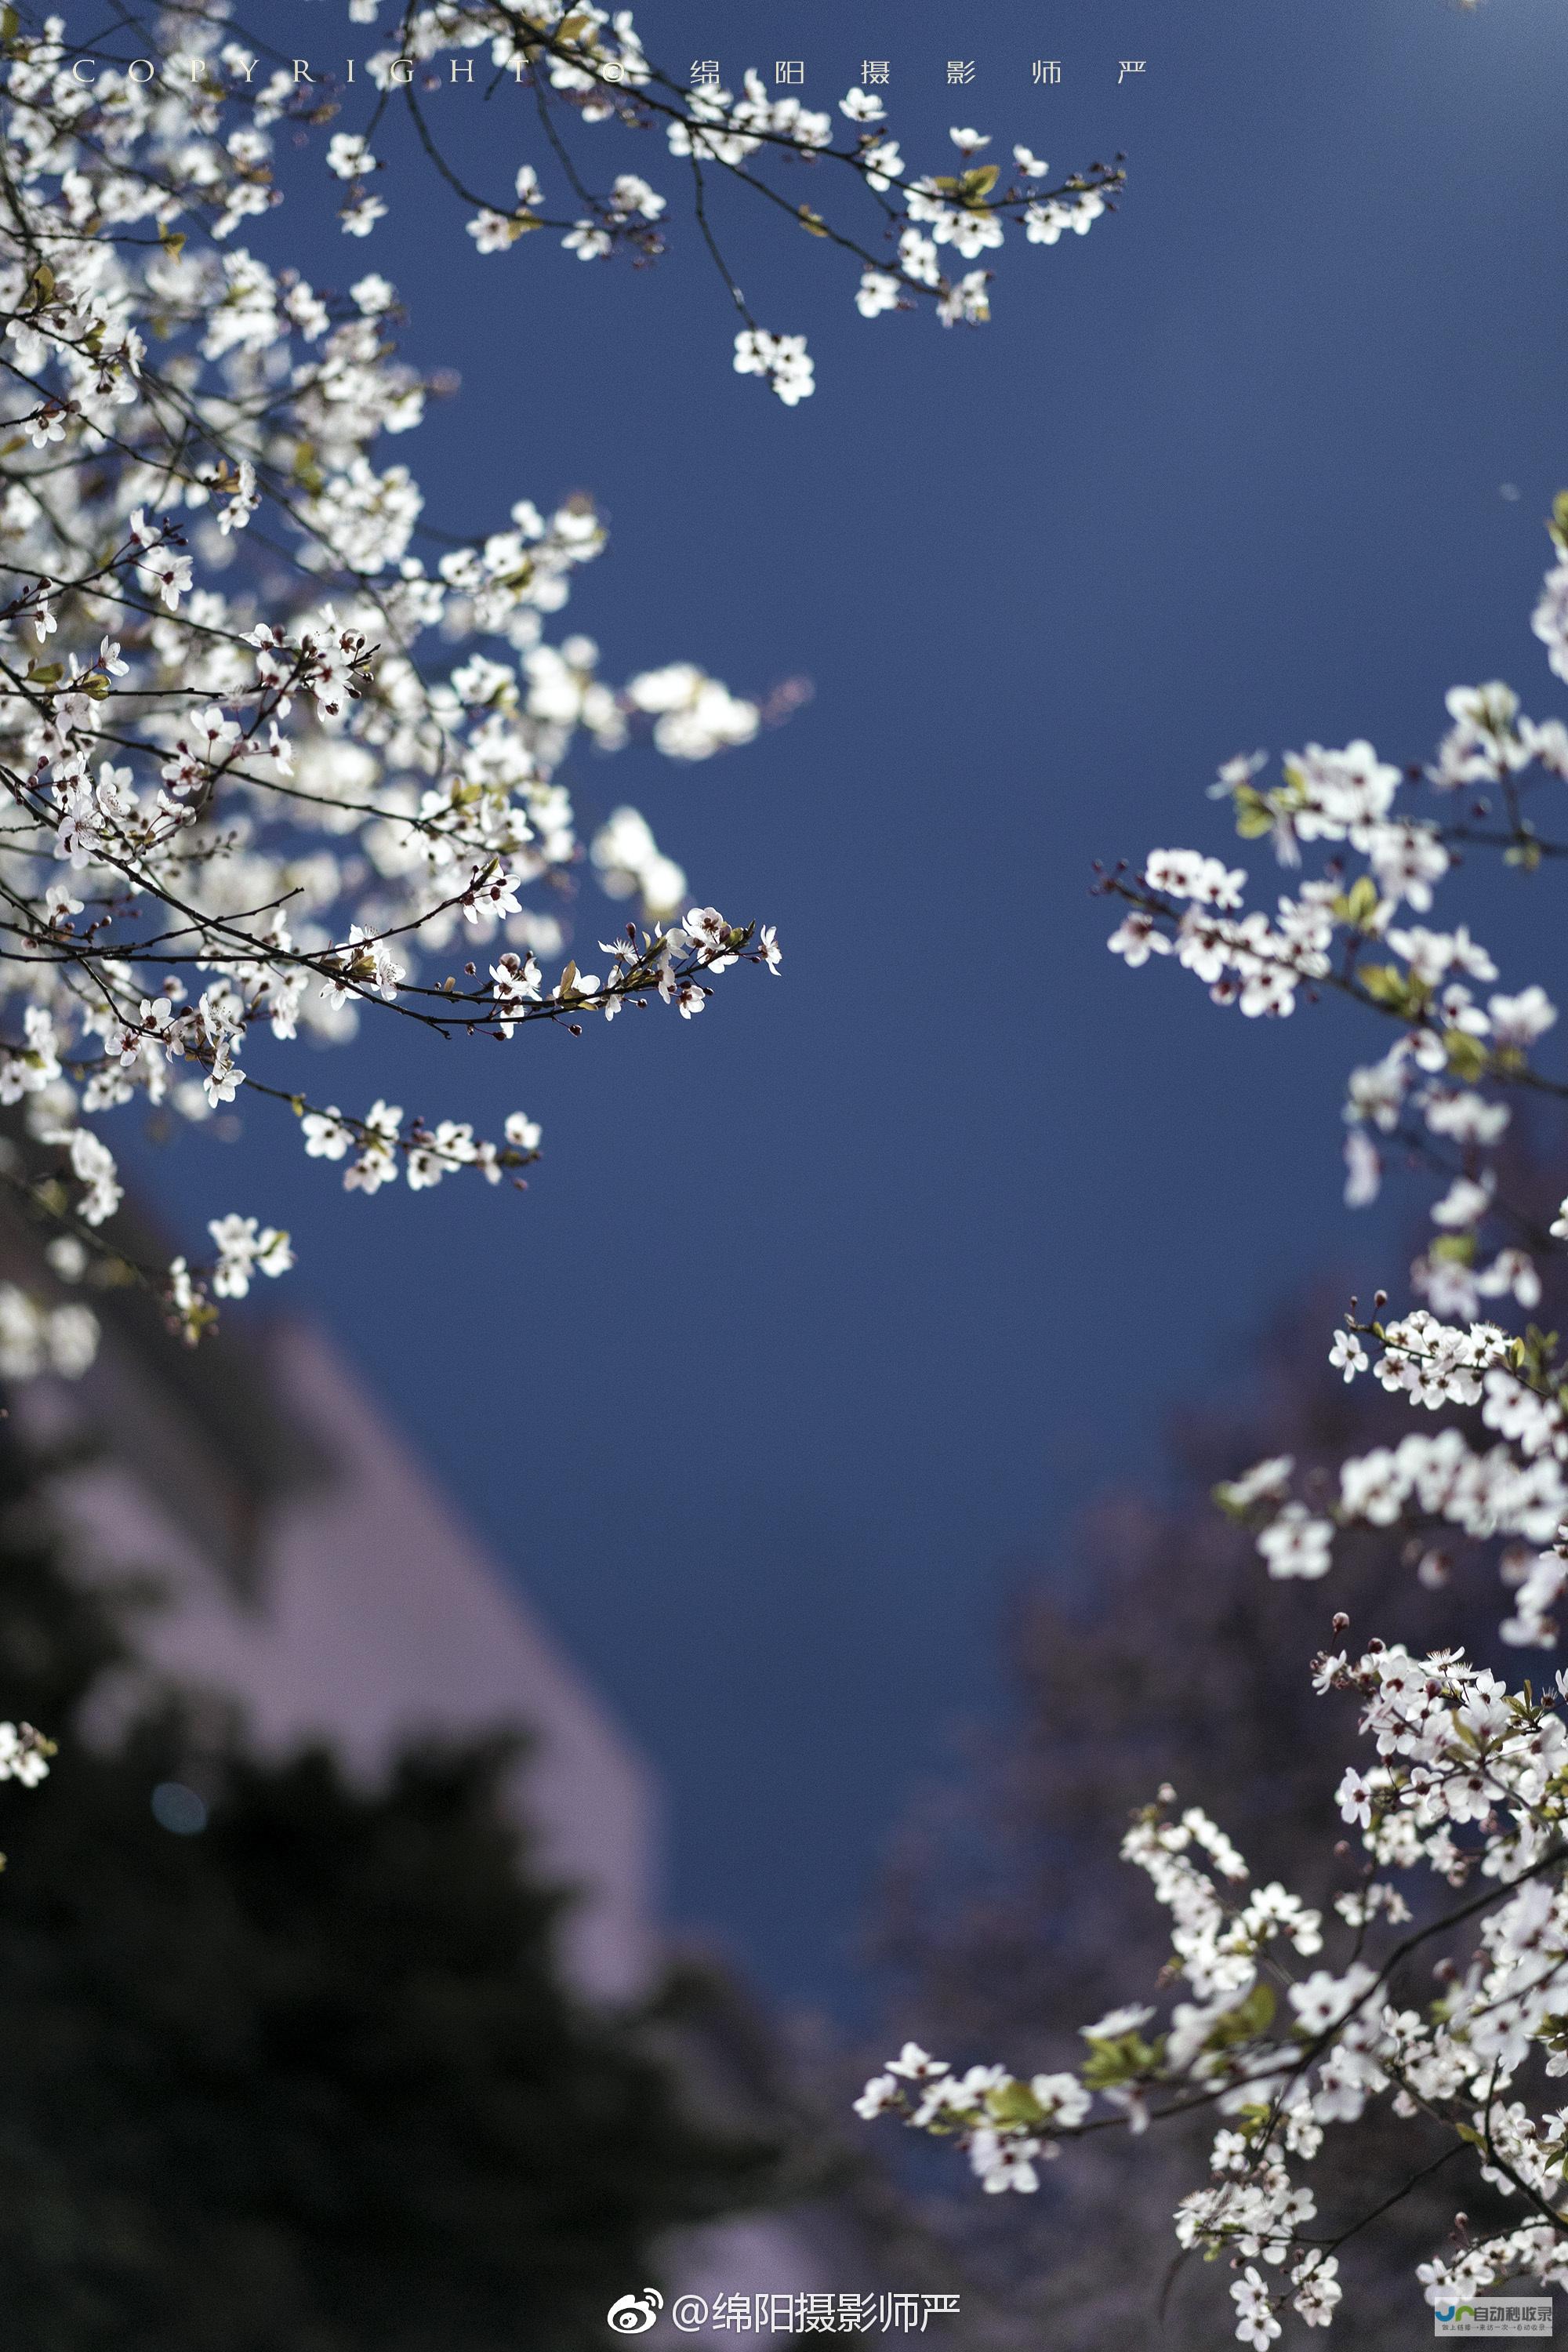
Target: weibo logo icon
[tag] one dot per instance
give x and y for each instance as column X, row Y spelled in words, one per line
column 633, row 2315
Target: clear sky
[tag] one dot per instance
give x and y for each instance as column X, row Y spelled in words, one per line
column 826, row 1310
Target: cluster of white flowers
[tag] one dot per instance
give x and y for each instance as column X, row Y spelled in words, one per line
column 1254, row 961
column 24, row 1754
column 592, row 62
column 1440, row 1091
column 1467, row 1783
column 1007, row 2127
column 1218, row 2047
column 257, row 793
column 1472, row 1785
column 258, row 790
column 1516, row 1489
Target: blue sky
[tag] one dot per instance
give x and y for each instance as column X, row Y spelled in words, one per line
column 823, row 1312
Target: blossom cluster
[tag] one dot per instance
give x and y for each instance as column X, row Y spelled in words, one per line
column 1441, row 1095
column 270, row 766
column 24, row 1754
column 592, row 62
column 1470, row 1787
column 1292, row 2026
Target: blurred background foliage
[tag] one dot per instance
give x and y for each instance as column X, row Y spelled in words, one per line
column 307, row 2079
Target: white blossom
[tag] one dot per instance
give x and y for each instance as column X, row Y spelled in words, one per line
column 1460, row 1777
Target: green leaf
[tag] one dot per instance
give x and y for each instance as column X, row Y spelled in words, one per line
column 1123, row 2059
column 1015, row 2102
column 1386, row 984
column 1359, row 903
column 1254, row 817
column 1248, row 2018
column 1466, row 1055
